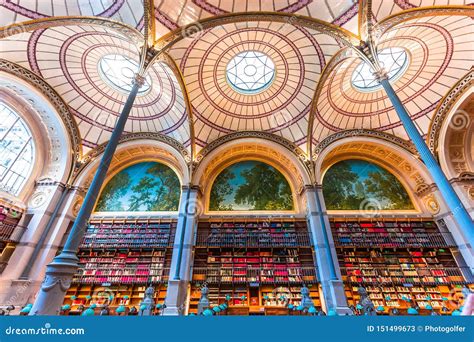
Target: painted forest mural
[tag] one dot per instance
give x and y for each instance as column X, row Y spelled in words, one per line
column 147, row 186
column 250, row 185
column 347, row 184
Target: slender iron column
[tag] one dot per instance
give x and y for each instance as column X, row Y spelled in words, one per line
column 332, row 268
column 458, row 210
column 60, row 271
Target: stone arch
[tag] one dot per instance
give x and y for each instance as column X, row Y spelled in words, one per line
column 52, row 138
column 262, row 150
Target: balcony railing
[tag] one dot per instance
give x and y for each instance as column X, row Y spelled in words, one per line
column 263, row 275
column 397, row 275
column 122, row 276
column 369, row 239
column 126, row 242
column 265, row 239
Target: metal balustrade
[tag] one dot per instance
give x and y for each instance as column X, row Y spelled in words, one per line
column 250, row 239
column 370, row 239
column 126, row 242
column 122, row 275
column 6, row 231
column 399, row 274
column 265, row 275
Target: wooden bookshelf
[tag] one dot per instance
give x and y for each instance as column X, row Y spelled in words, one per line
column 263, row 299
column 430, row 266
column 400, row 263
column 9, row 219
column 390, row 234
column 270, row 266
column 250, row 259
column 253, row 234
column 121, row 257
column 113, row 296
column 403, row 297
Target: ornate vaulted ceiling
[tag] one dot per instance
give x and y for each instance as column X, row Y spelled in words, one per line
column 440, row 52
column 299, row 55
column 68, row 59
column 310, row 97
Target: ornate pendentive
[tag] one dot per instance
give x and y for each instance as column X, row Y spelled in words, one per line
column 446, row 106
column 77, row 205
column 362, row 133
column 123, row 29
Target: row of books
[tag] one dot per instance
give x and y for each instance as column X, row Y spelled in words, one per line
column 251, row 260
column 263, row 224
column 384, row 224
column 128, row 225
column 116, row 272
column 121, row 254
column 257, row 279
column 405, row 280
column 100, row 279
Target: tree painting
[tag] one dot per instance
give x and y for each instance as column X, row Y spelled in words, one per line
column 349, row 183
column 145, row 186
column 250, row 185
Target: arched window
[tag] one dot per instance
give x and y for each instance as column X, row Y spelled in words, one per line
column 17, row 151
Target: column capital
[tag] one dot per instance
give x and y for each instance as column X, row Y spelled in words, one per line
column 312, row 187
column 192, row 187
column 381, row 75
column 139, row 80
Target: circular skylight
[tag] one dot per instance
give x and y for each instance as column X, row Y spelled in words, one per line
column 393, row 60
column 250, row 72
column 118, row 71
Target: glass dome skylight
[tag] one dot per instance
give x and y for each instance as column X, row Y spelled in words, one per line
column 118, row 72
column 250, row 72
column 394, row 60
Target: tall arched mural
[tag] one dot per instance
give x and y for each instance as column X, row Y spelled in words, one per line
column 147, row 186
column 250, row 185
column 349, row 184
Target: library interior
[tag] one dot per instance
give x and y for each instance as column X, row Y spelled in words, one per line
column 236, row 157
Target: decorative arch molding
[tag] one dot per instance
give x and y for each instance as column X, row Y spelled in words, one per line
column 447, row 107
column 54, row 161
column 226, row 139
column 43, row 23
column 400, row 162
column 408, row 146
column 54, row 98
column 456, row 138
column 386, row 24
column 253, row 149
column 132, row 152
column 165, row 142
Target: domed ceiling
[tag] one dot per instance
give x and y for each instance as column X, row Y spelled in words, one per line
column 296, row 81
